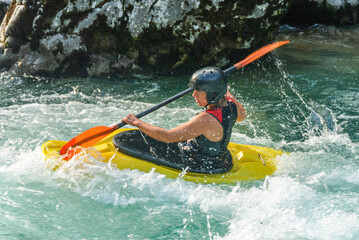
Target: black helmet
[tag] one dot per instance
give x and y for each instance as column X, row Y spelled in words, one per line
column 211, row 80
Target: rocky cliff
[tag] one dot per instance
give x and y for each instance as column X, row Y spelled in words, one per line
column 105, row 37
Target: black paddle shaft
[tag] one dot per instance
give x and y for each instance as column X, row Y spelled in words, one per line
column 181, row 94
column 171, row 99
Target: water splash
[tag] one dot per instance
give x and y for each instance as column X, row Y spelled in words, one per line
column 305, row 105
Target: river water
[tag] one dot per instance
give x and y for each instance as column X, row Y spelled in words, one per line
column 303, row 99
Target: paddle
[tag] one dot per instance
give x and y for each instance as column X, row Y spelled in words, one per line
column 93, row 135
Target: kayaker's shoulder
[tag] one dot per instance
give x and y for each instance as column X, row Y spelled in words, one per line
column 204, row 116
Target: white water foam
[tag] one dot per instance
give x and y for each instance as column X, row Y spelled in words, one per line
column 301, row 200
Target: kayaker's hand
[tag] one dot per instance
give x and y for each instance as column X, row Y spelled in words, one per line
column 131, row 119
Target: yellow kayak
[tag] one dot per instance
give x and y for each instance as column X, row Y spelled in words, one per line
column 249, row 162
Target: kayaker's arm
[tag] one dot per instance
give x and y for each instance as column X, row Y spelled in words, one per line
column 240, row 109
column 201, row 124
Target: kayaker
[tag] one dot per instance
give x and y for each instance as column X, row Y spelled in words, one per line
column 201, row 142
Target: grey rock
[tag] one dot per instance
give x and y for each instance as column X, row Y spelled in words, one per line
column 102, row 37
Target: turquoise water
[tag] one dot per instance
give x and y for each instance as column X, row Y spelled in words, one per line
column 303, row 99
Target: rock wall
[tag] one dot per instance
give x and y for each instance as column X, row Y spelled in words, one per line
column 333, row 12
column 106, row 37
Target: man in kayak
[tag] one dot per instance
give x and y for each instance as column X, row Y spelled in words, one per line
column 202, row 142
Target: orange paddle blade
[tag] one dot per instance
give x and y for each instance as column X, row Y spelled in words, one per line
column 86, row 139
column 260, row 52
